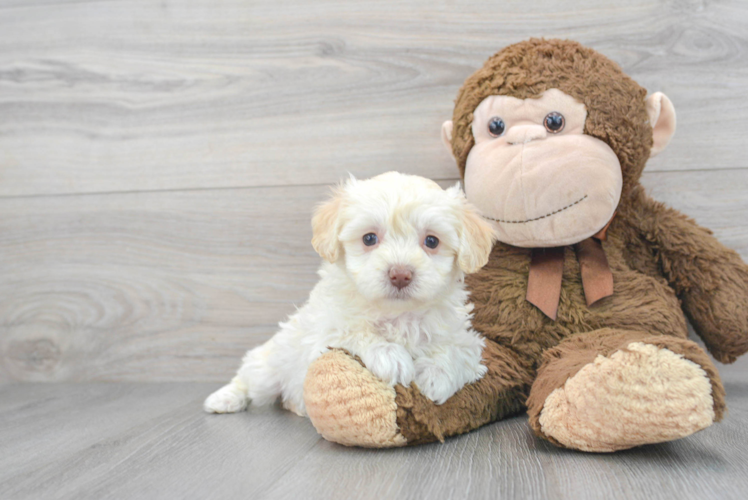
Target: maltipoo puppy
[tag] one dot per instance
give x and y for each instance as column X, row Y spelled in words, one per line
column 392, row 292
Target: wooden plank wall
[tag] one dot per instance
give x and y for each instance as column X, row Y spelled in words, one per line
column 159, row 160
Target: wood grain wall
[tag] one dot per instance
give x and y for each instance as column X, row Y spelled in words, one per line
column 159, row 160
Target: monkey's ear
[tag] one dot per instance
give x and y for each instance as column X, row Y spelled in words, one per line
column 447, row 136
column 476, row 240
column 662, row 118
column 326, row 226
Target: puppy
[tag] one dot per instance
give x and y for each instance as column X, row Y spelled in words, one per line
column 392, row 292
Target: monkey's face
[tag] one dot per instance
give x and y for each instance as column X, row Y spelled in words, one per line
column 536, row 174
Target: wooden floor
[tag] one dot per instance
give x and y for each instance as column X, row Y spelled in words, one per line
column 151, row 441
column 158, row 165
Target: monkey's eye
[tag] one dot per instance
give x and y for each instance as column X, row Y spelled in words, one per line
column 431, row 241
column 554, row 122
column 370, row 239
column 496, row 126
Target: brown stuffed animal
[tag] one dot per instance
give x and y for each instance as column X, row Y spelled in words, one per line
column 582, row 303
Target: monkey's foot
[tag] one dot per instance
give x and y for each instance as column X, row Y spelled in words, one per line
column 350, row 406
column 640, row 394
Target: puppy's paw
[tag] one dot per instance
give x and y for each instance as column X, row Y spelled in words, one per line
column 440, row 378
column 435, row 382
column 227, row 399
column 391, row 363
column 476, row 373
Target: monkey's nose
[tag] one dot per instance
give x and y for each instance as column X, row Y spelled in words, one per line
column 522, row 134
column 400, row 276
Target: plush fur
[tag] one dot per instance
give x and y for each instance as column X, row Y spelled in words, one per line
column 665, row 268
column 419, row 332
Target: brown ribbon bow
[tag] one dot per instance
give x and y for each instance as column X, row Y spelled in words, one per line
column 547, row 269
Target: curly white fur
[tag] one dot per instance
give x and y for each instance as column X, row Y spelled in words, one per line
column 419, row 334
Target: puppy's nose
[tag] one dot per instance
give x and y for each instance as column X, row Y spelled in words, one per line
column 400, row 276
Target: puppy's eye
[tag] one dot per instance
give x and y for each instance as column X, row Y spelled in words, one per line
column 431, row 242
column 496, row 126
column 370, row 239
column 554, row 122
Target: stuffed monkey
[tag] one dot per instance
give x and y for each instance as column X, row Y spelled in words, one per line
column 584, row 300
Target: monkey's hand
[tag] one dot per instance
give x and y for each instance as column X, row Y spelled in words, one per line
column 710, row 279
column 348, row 405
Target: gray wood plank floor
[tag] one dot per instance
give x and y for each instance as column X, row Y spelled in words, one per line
column 130, row 440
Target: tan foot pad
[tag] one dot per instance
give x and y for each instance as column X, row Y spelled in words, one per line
column 350, row 406
column 637, row 396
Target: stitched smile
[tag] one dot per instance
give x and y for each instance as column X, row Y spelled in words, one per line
column 537, row 218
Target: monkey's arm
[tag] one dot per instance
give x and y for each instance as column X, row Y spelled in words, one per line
column 349, row 406
column 710, row 279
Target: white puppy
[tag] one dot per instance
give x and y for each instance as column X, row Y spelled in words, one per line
column 392, row 292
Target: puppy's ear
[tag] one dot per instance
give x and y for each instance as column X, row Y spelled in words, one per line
column 476, row 239
column 326, row 226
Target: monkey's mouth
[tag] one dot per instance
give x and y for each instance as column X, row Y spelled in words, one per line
column 580, row 200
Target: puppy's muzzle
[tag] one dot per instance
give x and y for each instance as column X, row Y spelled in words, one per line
column 400, row 276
